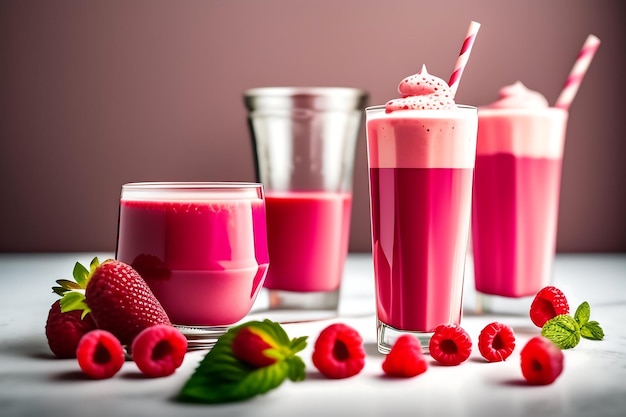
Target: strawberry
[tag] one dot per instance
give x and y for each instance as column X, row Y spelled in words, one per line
column 251, row 344
column 116, row 296
column 121, row 301
column 64, row 330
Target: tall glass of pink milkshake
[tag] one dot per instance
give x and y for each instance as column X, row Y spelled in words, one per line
column 304, row 140
column 200, row 246
column 421, row 154
column 516, row 197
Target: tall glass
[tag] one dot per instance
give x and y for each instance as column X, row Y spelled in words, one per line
column 421, row 166
column 515, row 204
column 201, row 247
column 304, row 140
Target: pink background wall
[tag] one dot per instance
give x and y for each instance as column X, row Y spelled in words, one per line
column 94, row 94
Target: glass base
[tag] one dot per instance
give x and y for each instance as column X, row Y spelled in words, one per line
column 387, row 336
column 201, row 337
column 495, row 304
column 291, row 306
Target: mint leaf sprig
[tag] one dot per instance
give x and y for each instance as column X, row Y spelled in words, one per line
column 565, row 331
column 222, row 377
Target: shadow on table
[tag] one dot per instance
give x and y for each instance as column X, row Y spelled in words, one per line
column 34, row 347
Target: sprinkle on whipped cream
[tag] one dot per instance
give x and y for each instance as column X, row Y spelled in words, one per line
column 422, row 91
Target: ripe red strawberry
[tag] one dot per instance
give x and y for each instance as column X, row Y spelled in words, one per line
column 64, row 330
column 338, row 351
column 405, row 360
column 100, row 355
column 121, row 301
column 541, row 361
column 250, row 344
column 159, row 350
column 450, row 345
column 496, row 342
column 548, row 303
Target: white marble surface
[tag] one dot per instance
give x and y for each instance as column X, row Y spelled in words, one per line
column 33, row 383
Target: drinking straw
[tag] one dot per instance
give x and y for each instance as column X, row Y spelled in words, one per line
column 578, row 72
column 461, row 61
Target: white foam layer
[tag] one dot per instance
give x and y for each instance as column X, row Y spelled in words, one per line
column 421, row 138
column 538, row 133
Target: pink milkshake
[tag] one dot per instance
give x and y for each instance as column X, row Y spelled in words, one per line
column 201, row 247
column 421, row 154
column 312, row 259
column 516, row 193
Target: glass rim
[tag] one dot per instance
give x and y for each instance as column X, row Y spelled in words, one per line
column 190, row 191
column 190, row 185
column 290, row 91
column 521, row 110
column 458, row 107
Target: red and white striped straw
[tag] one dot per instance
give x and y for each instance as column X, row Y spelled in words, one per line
column 461, row 61
column 578, row 72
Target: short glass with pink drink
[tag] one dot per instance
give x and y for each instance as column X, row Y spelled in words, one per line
column 421, row 166
column 304, row 141
column 200, row 246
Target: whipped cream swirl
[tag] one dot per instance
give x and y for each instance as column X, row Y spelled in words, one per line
column 422, row 91
column 518, row 96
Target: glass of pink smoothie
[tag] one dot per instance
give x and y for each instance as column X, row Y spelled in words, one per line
column 516, row 198
column 304, row 140
column 421, row 156
column 200, row 246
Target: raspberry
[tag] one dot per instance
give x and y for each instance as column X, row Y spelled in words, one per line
column 450, row 345
column 405, row 360
column 541, row 361
column 338, row 351
column 100, row 354
column 548, row 303
column 64, row 330
column 496, row 342
column 159, row 350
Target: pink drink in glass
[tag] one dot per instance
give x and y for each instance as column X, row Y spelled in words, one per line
column 308, row 239
column 203, row 254
column 304, row 142
column 516, row 198
column 421, row 169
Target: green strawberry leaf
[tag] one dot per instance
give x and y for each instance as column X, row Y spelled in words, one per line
column 592, row 330
column 221, row 377
column 80, row 274
column 563, row 330
column 73, row 292
column 93, row 265
column 74, row 300
column 583, row 312
column 81, row 278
